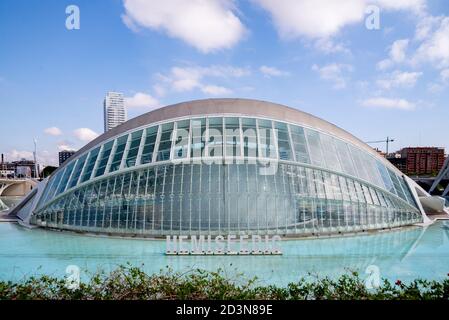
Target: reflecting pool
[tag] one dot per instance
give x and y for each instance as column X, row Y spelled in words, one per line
column 402, row 254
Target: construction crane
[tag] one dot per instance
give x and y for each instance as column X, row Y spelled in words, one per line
column 387, row 141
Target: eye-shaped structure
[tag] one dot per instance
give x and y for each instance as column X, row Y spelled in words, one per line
column 225, row 166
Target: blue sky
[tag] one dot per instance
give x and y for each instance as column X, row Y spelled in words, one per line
column 317, row 56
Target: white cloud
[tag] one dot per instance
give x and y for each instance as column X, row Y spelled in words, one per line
column 399, row 79
column 398, row 49
column 160, row 90
column 85, row 134
column 65, row 145
column 207, row 25
column 320, row 20
column 384, row 64
column 416, row 6
column 397, row 54
column 53, row 131
column 272, row 71
column 425, row 26
column 44, row 157
column 328, row 46
column 312, row 18
column 142, row 100
column 215, row 90
column 130, row 23
column 184, row 79
column 441, row 84
column 430, row 45
column 388, row 103
column 335, row 73
column 435, row 87
column 435, row 47
column 15, row 155
column 444, row 75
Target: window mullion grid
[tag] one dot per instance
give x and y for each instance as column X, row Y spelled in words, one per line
column 121, row 200
column 141, row 146
column 59, row 182
column 83, row 169
column 275, row 141
column 292, row 147
column 259, row 151
column 306, row 142
column 163, row 198
column 111, row 157
column 173, row 140
column 125, row 152
column 223, row 140
column 104, row 200
column 181, row 194
column 144, row 221
column 154, row 196
column 206, row 140
column 242, row 148
column 97, row 161
column 156, row 143
column 172, row 197
column 127, row 196
column 189, row 142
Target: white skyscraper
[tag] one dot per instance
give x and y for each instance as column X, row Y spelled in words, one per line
column 114, row 110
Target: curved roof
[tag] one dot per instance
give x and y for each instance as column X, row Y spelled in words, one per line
column 234, row 106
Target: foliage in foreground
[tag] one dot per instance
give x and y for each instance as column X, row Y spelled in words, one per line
column 128, row 283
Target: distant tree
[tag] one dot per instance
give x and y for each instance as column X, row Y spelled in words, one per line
column 48, row 170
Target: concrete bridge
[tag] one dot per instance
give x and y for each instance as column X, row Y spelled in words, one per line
column 16, row 187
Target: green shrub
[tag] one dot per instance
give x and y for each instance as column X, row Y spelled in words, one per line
column 130, row 283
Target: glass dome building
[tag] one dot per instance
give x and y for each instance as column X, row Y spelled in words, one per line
column 225, row 166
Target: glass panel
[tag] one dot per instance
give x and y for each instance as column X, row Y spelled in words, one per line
column 299, row 144
column 220, row 198
column 313, row 140
column 371, row 170
column 407, row 192
column 118, row 154
column 249, row 137
column 76, row 173
column 284, row 147
column 266, row 139
column 232, row 137
column 198, row 138
column 163, row 152
column 148, row 148
column 181, row 139
column 90, row 164
column 388, row 184
column 345, row 157
column 133, row 149
column 397, row 185
column 107, row 148
column 359, row 163
column 330, row 153
column 52, row 187
column 65, row 178
column 215, row 143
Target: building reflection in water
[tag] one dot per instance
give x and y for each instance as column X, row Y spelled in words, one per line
column 407, row 253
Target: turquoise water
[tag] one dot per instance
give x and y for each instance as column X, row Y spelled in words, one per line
column 403, row 254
